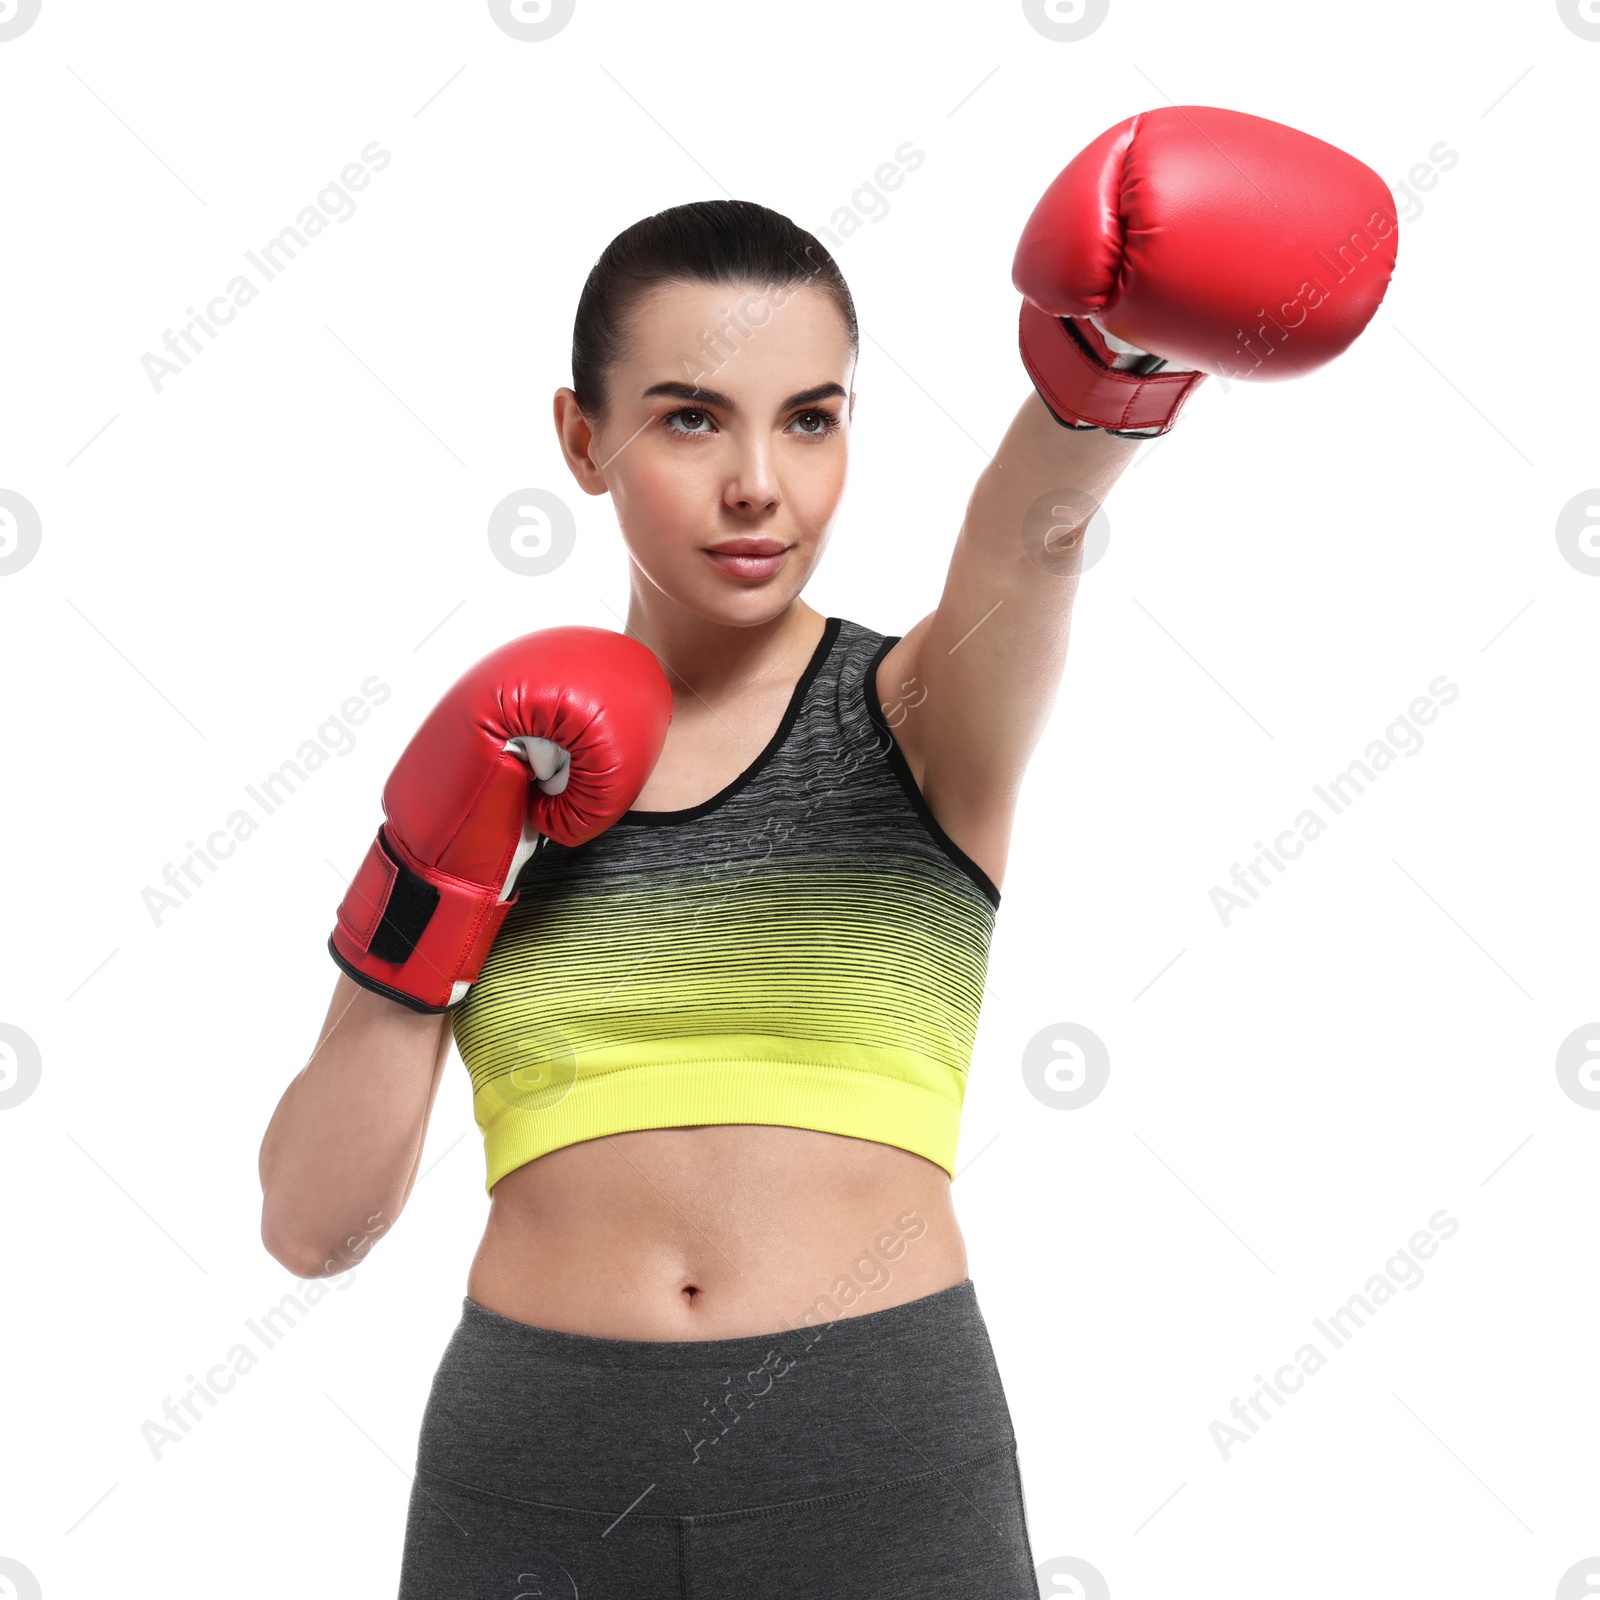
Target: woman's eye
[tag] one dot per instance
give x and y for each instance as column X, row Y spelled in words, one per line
column 689, row 421
column 677, row 419
column 817, row 422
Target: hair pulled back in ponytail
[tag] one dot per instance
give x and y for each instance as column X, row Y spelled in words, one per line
column 706, row 241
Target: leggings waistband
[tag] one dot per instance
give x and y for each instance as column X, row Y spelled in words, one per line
column 944, row 1310
column 573, row 1420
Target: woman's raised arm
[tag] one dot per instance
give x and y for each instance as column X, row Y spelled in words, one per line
column 1181, row 243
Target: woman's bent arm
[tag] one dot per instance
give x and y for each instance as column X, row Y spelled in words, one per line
column 341, row 1153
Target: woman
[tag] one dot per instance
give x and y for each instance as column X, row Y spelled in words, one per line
column 719, row 1336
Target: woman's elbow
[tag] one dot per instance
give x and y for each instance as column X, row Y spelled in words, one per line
column 288, row 1250
column 308, row 1257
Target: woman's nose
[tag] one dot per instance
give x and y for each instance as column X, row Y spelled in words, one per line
column 753, row 485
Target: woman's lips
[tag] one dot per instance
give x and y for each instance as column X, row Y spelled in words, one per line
column 748, row 566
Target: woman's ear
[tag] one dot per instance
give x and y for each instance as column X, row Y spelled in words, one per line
column 577, row 438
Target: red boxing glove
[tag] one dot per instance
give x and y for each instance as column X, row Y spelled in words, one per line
column 1192, row 240
column 551, row 736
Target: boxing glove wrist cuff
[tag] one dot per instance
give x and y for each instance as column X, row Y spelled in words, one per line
column 415, row 935
column 367, row 981
column 1070, row 366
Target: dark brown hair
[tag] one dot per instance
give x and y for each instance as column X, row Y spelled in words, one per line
column 706, row 241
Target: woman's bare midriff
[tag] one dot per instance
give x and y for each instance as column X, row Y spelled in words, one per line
column 715, row 1232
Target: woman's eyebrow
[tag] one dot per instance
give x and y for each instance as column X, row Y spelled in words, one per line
column 695, row 395
column 806, row 397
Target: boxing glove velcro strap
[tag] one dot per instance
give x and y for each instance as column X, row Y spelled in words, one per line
column 387, row 906
column 420, row 939
column 1082, row 390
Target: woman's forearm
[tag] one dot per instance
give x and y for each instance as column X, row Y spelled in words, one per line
column 341, row 1151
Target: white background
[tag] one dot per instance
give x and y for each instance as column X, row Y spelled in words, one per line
column 224, row 562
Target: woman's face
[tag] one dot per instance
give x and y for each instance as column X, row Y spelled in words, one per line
column 726, row 427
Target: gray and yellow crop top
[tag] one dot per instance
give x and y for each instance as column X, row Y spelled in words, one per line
column 806, row 948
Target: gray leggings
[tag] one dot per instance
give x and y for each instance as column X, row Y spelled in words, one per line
column 872, row 1455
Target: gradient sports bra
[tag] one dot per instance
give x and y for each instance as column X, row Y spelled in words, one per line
column 806, row 948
